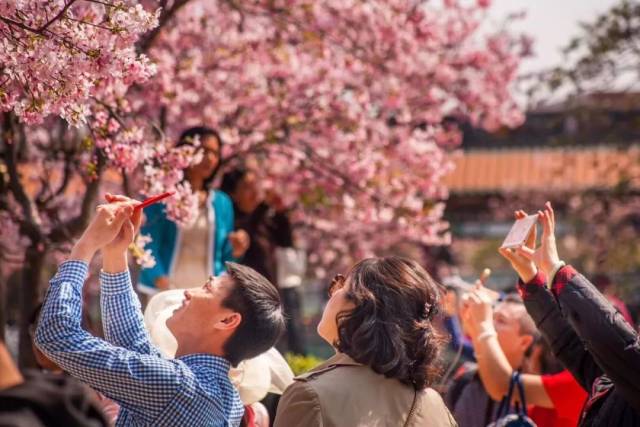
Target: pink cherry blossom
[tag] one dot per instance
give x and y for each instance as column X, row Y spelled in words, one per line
column 348, row 109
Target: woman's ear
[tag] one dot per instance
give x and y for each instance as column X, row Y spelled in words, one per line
column 231, row 321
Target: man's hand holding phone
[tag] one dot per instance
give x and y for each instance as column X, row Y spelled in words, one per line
column 526, row 259
column 546, row 256
column 477, row 306
column 477, row 310
column 524, row 266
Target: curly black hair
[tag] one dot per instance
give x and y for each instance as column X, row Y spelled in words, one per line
column 390, row 329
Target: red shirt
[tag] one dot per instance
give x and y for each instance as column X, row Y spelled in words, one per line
column 567, row 397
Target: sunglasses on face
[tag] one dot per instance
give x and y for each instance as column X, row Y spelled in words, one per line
column 336, row 284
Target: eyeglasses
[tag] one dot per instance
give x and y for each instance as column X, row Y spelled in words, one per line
column 336, row 284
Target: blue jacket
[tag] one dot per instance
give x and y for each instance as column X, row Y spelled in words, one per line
column 166, row 237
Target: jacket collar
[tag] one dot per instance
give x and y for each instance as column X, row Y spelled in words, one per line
column 339, row 359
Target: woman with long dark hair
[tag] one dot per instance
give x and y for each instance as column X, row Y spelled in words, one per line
column 188, row 256
column 379, row 321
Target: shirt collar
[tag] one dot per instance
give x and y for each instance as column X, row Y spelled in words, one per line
column 207, row 360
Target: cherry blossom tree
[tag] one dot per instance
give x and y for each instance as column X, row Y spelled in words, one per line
column 348, row 108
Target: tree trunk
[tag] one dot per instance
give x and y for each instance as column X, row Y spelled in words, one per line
column 34, row 264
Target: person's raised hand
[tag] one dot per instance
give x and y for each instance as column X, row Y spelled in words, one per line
column 522, row 264
column 102, row 230
column 129, row 228
column 477, row 312
column 136, row 217
column 546, row 256
column 162, row 283
column 479, row 285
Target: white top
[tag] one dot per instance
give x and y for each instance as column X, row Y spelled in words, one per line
column 192, row 263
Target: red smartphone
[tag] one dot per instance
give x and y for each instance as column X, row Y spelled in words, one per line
column 154, row 199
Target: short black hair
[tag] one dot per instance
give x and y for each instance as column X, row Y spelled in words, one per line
column 202, row 132
column 232, row 179
column 258, row 301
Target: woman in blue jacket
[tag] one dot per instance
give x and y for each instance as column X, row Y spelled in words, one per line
column 186, row 257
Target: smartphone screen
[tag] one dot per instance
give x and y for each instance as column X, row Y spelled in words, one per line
column 519, row 232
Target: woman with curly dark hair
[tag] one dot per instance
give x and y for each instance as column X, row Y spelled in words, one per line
column 379, row 320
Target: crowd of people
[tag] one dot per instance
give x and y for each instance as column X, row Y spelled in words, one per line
column 556, row 352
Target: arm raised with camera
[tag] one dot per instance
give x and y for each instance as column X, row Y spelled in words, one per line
column 125, row 376
column 121, row 313
column 609, row 339
column 544, row 310
column 494, row 367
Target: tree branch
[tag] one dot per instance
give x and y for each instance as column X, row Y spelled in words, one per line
column 55, row 18
column 44, row 27
column 145, row 42
column 74, row 226
column 20, row 25
column 30, row 223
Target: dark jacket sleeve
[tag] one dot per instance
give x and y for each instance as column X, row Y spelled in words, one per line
column 613, row 343
column 280, row 230
column 556, row 330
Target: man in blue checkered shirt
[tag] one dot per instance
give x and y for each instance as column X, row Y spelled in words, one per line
column 230, row 318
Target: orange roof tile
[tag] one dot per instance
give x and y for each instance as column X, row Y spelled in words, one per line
column 544, row 168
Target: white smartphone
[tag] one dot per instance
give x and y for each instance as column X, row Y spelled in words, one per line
column 519, row 232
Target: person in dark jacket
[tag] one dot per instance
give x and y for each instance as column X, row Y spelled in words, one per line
column 266, row 221
column 585, row 332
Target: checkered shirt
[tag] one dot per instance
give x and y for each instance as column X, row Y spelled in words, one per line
column 193, row 390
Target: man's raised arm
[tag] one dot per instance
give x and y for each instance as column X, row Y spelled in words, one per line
column 121, row 313
column 141, row 383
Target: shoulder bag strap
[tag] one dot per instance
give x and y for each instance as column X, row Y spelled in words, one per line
column 413, row 408
column 523, row 402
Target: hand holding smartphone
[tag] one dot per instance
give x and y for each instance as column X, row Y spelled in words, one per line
column 519, row 232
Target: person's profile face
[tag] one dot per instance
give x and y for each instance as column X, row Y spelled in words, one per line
column 201, row 308
column 247, row 193
column 506, row 320
column 338, row 302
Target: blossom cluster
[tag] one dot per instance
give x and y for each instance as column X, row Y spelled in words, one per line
column 59, row 55
column 350, row 109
